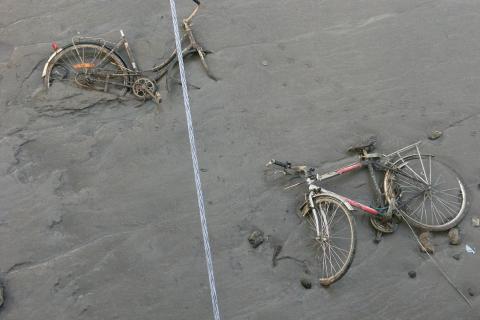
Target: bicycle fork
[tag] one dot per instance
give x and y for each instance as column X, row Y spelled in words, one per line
column 323, row 233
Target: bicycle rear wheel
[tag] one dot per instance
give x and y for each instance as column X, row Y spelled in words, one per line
column 334, row 250
column 89, row 66
column 427, row 192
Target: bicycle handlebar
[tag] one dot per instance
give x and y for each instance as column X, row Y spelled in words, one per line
column 303, row 170
column 286, row 165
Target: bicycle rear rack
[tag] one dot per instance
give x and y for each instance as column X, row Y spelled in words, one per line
column 404, row 149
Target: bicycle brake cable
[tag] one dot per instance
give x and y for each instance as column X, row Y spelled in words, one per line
column 294, row 185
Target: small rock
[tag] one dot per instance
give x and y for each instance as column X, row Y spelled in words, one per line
column 471, row 292
column 256, row 238
column 456, row 256
column 307, row 284
column 203, row 169
column 454, row 236
column 426, row 241
column 265, row 63
column 476, row 222
column 412, row 274
column 435, row 134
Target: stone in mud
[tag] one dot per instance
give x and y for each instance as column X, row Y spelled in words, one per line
column 456, row 256
column 426, row 242
column 435, row 134
column 412, row 274
column 256, row 238
column 454, row 236
column 307, row 284
column 471, row 292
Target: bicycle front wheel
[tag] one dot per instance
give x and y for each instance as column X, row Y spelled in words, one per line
column 335, row 241
column 427, row 192
column 89, row 66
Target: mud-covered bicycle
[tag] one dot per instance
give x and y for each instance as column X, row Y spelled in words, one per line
column 96, row 64
column 416, row 187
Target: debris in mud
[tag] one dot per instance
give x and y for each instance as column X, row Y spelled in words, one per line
column 454, row 236
column 471, row 292
column 435, row 134
column 307, row 284
column 412, row 274
column 276, row 252
column 476, row 222
column 256, row 238
column 276, row 258
column 264, row 63
column 426, row 244
column 470, row 249
column 457, row 256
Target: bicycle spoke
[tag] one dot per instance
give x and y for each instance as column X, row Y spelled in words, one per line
column 332, row 253
column 443, row 200
column 445, row 218
column 423, row 167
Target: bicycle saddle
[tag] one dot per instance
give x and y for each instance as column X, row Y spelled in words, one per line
column 367, row 145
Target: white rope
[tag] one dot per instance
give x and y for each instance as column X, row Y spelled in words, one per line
column 196, row 171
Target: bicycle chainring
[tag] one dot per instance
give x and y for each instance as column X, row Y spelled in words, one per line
column 385, row 226
column 144, row 88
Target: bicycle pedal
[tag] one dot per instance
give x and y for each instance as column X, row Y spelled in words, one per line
column 158, row 97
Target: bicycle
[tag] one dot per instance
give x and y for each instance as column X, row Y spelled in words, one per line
column 96, row 64
column 417, row 187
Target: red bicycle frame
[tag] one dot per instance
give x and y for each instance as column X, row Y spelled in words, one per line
column 350, row 168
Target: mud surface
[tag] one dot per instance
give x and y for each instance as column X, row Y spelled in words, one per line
column 98, row 215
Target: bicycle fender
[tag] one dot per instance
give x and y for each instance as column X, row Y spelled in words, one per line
column 53, row 55
column 304, row 208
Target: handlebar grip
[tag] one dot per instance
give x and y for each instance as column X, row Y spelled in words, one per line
column 285, row 165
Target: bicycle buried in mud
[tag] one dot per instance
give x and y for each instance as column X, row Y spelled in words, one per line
column 417, row 188
column 96, row 64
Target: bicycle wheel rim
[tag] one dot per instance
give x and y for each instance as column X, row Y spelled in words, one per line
column 427, row 192
column 332, row 256
column 89, row 66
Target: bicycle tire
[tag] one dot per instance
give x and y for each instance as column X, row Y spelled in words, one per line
column 70, row 65
column 331, row 207
column 404, row 190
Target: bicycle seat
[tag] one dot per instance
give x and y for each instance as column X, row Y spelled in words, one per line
column 367, row 145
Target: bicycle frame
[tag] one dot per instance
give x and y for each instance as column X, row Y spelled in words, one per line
column 350, row 168
column 354, row 167
column 137, row 80
column 407, row 177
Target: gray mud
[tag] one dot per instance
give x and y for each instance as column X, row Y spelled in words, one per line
column 98, row 214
